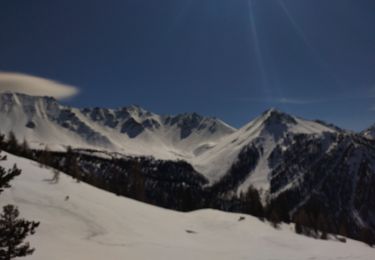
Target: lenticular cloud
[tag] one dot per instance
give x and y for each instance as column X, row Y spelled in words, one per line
column 35, row 86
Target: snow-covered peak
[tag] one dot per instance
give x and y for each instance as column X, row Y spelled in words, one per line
column 20, row 98
column 9, row 100
column 138, row 111
column 18, row 107
column 276, row 116
column 193, row 122
column 277, row 124
column 263, row 133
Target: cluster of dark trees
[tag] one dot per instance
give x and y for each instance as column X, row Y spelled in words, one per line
column 11, row 145
column 176, row 185
column 13, row 229
column 313, row 219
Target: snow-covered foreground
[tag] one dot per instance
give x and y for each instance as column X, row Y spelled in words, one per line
column 94, row 224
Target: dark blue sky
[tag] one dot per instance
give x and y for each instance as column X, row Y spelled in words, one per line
column 226, row 58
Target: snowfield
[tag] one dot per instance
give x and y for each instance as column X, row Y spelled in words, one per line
column 94, row 224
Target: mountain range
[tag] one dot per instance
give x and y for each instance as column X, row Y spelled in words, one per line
column 294, row 163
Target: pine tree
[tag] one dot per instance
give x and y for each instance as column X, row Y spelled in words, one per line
column 13, row 232
column 301, row 220
column 139, row 182
column 275, row 218
column 12, row 143
column 45, row 158
column 343, row 229
column 252, row 203
column 323, row 226
column 2, row 141
column 367, row 236
column 75, row 170
column 25, row 149
column 7, row 175
column 72, row 164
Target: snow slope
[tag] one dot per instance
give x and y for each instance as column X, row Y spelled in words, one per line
column 95, row 224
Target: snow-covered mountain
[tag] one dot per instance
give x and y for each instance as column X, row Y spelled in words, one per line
column 263, row 134
column 94, row 224
column 296, row 164
column 209, row 144
column 129, row 130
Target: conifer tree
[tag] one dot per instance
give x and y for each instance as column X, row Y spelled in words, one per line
column 323, row 226
column 275, row 218
column 25, row 149
column 13, row 230
column 72, row 164
column 2, row 141
column 301, row 220
column 253, row 204
column 45, row 158
column 139, row 182
column 7, row 175
column 12, row 143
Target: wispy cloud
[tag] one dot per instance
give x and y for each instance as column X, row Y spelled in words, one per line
column 35, row 86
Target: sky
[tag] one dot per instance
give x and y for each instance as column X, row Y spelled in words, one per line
column 231, row 59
